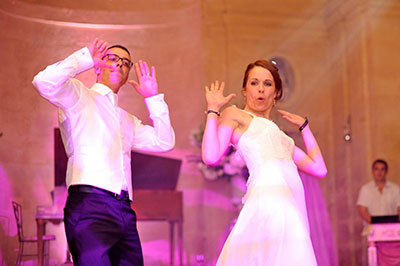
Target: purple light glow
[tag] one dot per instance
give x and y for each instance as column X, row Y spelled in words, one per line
column 157, row 252
column 206, row 197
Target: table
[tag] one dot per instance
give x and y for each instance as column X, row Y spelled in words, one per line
column 46, row 214
column 53, row 214
column 162, row 205
column 386, row 232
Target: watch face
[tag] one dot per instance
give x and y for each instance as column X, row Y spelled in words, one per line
column 287, row 76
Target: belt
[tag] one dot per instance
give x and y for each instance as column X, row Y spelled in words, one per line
column 124, row 196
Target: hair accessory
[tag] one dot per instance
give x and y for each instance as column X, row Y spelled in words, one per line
column 214, row 112
column 304, row 124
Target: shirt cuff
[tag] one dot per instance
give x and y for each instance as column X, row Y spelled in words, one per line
column 156, row 104
column 83, row 59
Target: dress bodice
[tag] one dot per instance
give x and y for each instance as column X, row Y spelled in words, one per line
column 263, row 141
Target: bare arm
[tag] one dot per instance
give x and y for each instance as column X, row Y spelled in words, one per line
column 310, row 161
column 363, row 211
column 218, row 131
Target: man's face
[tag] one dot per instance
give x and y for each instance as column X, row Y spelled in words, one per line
column 379, row 172
column 120, row 61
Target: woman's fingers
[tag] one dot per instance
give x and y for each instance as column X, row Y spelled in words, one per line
column 283, row 112
column 229, row 97
column 216, row 86
column 293, row 118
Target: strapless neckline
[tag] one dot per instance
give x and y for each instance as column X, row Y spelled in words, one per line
column 251, row 123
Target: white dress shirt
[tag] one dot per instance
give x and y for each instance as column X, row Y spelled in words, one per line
column 378, row 203
column 98, row 135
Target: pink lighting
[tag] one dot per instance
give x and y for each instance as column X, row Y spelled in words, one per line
column 90, row 25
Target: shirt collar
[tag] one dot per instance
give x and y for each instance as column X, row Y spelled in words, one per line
column 101, row 89
column 387, row 184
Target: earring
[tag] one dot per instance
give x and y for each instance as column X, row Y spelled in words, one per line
column 274, row 102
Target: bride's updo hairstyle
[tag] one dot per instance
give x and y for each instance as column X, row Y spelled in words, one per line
column 274, row 71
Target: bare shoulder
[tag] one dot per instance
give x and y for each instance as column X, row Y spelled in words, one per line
column 231, row 112
column 229, row 115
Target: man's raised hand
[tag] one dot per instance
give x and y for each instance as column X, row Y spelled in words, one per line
column 98, row 49
column 147, row 85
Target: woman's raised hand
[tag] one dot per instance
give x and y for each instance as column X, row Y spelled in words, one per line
column 292, row 118
column 215, row 96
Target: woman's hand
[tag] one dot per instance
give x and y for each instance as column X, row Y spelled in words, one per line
column 292, row 118
column 147, row 85
column 310, row 161
column 215, row 96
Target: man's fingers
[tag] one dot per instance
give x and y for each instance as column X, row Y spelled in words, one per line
column 153, row 72
column 94, row 43
column 134, row 84
column 142, row 68
column 138, row 70
column 103, row 46
column 146, row 68
column 92, row 46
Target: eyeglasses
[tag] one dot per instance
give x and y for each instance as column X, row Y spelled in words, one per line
column 115, row 58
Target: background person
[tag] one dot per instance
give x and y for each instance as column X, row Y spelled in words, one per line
column 379, row 197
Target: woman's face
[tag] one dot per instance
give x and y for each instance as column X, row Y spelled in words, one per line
column 259, row 91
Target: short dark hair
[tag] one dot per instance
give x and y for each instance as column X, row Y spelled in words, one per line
column 121, row 47
column 271, row 68
column 382, row 162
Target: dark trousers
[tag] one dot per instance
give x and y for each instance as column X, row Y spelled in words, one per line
column 101, row 230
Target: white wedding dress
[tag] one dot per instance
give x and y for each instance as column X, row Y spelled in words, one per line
column 272, row 228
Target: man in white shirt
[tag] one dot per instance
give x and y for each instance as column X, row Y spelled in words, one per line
column 378, row 197
column 98, row 137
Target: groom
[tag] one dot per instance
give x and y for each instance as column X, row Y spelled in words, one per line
column 98, row 137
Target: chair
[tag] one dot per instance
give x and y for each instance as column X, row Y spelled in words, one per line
column 33, row 239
